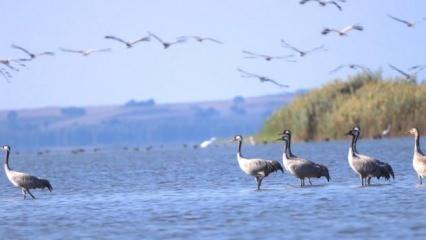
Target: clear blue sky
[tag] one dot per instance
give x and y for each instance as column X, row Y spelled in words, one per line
column 192, row 71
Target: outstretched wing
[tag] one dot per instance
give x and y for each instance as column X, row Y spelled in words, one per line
column 276, row 83
column 70, row 50
column 253, row 54
column 46, row 53
column 101, row 50
column 156, row 37
column 116, row 39
column 22, row 49
column 400, row 71
column 399, row 20
column 335, row 4
column 352, row 27
column 287, row 45
column 143, row 39
column 247, row 74
column 320, row 48
column 6, row 75
column 338, row 68
column 212, row 40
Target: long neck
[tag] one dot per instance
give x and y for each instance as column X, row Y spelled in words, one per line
column 417, row 144
column 6, row 161
column 239, row 148
column 353, row 145
column 288, row 152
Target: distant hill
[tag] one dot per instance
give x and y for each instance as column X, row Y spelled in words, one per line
column 137, row 122
column 370, row 101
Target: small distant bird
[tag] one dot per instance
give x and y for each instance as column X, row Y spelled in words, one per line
column 267, row 57
column 261, row 78
column 201, row 39
column 352, row 66
column 384, row 133
column 167, row 44
column 407, row 23
column 30, row 54
column 128, row 44
column 207, row 143
column 408, row 76
column 21, row 180
column 301, row 53
column 344, row 31
column 85, row 52
column 323, row 3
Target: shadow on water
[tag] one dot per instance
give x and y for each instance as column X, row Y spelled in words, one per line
column 307, row 186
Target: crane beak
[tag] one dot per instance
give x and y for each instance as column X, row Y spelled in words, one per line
column 348, row 133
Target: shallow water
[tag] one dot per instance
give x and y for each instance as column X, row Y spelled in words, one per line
column 193, row 194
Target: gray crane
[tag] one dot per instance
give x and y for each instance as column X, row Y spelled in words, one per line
column 299, row 167
column 366, row 167
column 256, row 167
column 21, row 180
column 419, row 158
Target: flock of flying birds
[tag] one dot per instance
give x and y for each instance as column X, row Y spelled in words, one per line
column 14, row 64
column 7, row 66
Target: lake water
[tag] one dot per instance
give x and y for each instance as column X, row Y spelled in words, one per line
column 192, row 194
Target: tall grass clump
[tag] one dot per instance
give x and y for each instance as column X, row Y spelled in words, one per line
column 366, row 100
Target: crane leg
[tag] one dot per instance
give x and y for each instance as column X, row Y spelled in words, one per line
column 310, row 181
column 368, row 181
column 24, row 193
column 30, row 193
column 259, row 182
column 362, row 181
column 420, row 179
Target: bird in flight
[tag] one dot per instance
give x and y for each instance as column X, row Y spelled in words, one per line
column 128, row 44
column 85, row 52
column 408, row 76
column 167, row 44
column 202, row 39
column 262, row 79
column 8, row 63
column 302, row 53
column 418, row 68
column 267, row 57
column 323, row 3
column 352, row 66
column 407, row 23
column 344, row 31
column 31, row 54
